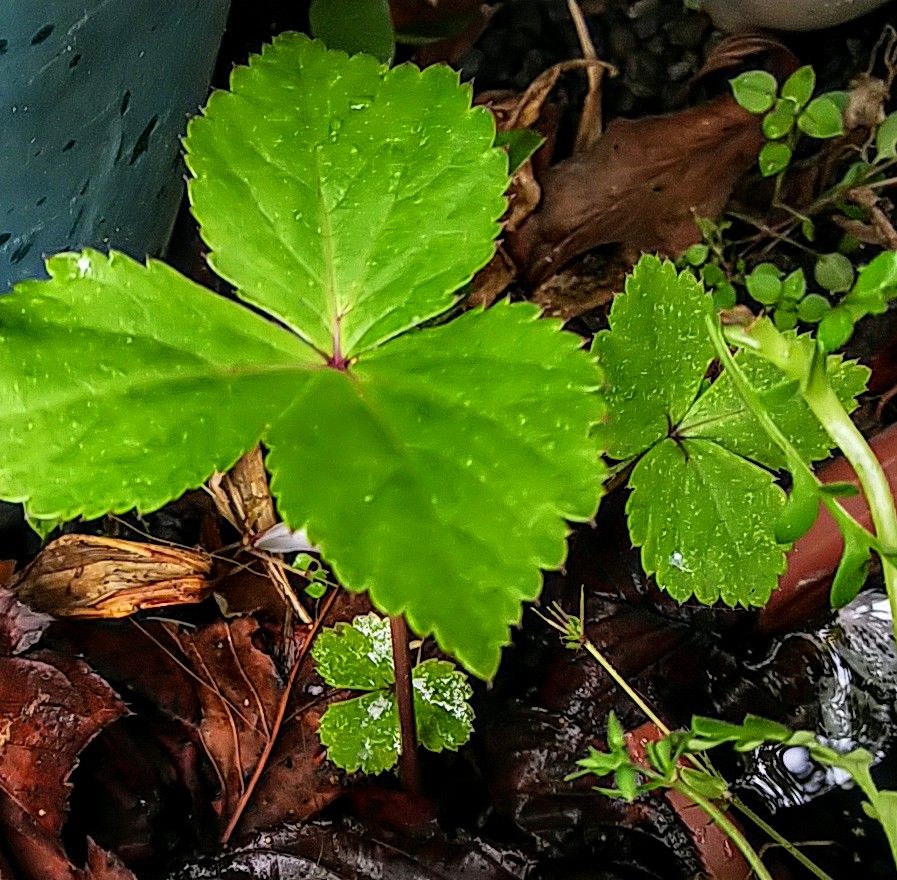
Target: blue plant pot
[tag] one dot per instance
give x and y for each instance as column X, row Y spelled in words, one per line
column 94, row 97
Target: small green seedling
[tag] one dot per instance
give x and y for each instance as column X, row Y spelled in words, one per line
column 704, row 501
column 788, row 112
column 363, row 733
column 436, row 467
column 674, row 762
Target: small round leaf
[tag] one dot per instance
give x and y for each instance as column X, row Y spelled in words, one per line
column 813, row 308
column 774, row 158
column 886, row 138
column 780, row 120
column 834, row 272
column 755, row 90
column 764, row 287
column 822, row 118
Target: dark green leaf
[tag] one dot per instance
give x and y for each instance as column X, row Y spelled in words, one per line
column 362, row 733
column 520, row 143
column 442, row 711
column 354, row 26
column 834, row 272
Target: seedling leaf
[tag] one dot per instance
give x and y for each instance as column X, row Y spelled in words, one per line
column 350, row 202
column 354, row 26
column 325, row 185
column 442, row 711
column 362, row 733
column 357, row 655
column 755, row 90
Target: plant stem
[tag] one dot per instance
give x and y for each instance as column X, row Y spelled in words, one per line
column 409, row 771
column 789, row 847
column 728, row 828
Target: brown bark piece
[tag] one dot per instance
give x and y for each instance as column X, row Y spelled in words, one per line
column 88, row 576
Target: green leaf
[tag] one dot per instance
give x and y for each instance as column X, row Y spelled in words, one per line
column 720, row 414
column 801, row 508
column 417, row 464
column 442, row 711
column 520, row 144
column 349, row 201
column 354, row 26
column 794, row 286
column 834, row 272
column 780, row 120
column 813, row 308
column 886, row 138
column 755, row 90
column 724, row 296
column 697, row 254
column 763, row 285
column 702, row 517
column 852, row 569
column 822, row 118
column 651, row 386
column 799, row 87
column 835, row 329
column 774, row 158
column 879, row 276
column 362, row 733
column 357, row 656
column 111, row 399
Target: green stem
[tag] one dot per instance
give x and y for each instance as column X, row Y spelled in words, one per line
column 789, row 847
column 729, row 829
column 819, row 395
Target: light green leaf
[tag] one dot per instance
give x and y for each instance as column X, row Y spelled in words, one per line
column 654, row 355
column 349, row 201
column 720, row 414
column 886, row 138
column 763, row 285
column 755, row 90
column 354, row 26
column 357, row 656
column 362, row 733
column 799, row 87
column 822, row 118
column 774, row 158
column 813, row 308
column 780, row 120
column 438, row 472
column 441, row 708
column 703, row 518
column 112, row 399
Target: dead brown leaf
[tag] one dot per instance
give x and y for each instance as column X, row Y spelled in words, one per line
column 51, row 707
column 20, row 627
column 642, row 185
column 88, row 576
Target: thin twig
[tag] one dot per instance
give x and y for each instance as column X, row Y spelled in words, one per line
column 277, row 722
column 590, row 121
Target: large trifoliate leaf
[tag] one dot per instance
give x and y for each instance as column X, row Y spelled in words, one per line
column 704, row 503
column 363, row 733
column 459, row 452
column 122, row 385
column 350, row 202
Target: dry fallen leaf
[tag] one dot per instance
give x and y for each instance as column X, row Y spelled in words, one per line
column 642, row 185
column 88, row 576
column 51, row 707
